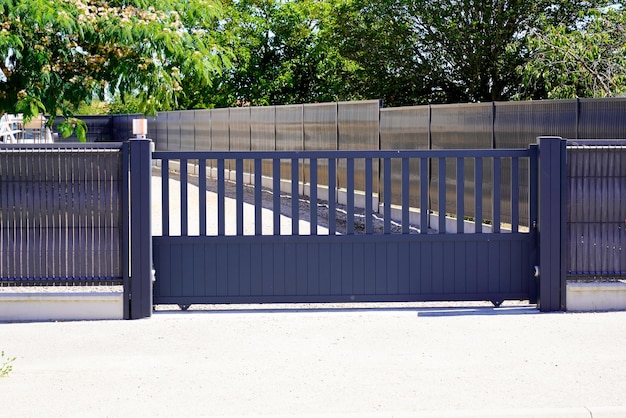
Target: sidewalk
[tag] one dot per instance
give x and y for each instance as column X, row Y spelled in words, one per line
column 395, row 361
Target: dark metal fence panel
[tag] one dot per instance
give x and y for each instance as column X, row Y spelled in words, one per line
column 202, row 125
column 602, row 118
column 123, row 126
column 405, row 128
column 596, row 212
column 99, row 129
column 60, row 214
column 187, row 130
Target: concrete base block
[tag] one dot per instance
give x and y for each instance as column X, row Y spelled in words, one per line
column 596, row 296
column 73, row 306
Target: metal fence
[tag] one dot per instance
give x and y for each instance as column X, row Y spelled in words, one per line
column 596, row 210
column 365, row 125
column 60, row 214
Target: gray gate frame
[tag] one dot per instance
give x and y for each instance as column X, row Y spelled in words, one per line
column 548, row 171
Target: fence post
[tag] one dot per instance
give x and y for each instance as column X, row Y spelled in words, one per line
column 140, row 229
column 552, row 223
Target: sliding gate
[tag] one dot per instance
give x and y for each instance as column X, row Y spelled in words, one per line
column 328, row 226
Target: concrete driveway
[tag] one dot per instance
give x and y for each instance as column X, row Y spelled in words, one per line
column 400, row 360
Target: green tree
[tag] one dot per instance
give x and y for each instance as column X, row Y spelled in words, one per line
column 587, row 60
column 414, row 52
column 282, row 55
column 57, row 54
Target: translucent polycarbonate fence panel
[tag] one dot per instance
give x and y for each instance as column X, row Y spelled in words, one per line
column 60, row 215
column 202, row 123
column 358, row 129
column 220, row 134
column 289, row 135
column 519, row 124
column 320, row 133
column 161, row 132
column 173, row 131
column 405, row 128
column 240, row 133
column 263, row 133
column 467, row 126
column 596, row 210
column 601, row 118
column 187, row 130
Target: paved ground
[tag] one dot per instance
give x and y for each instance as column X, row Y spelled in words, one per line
column 402, row 361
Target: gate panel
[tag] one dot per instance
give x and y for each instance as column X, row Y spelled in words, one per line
column 347, row 258
column 252, row 272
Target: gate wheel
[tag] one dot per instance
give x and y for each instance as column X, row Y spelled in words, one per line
column 497, row 303
column 184, row 307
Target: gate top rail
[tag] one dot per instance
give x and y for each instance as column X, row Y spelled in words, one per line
column 448, row 153
column 61, row 147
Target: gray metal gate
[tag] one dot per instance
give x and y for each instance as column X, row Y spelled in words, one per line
column 414, row 259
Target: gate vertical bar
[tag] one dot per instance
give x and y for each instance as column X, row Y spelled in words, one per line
column 552, row 213
column 140, row 229
column 533, row 217
column 125, row 237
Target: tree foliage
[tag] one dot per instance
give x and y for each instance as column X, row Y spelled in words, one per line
column 56, row 54
column 588, row 60
column 281, row 54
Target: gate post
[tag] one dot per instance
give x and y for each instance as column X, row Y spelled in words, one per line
column 140, row 229
column 552, row 223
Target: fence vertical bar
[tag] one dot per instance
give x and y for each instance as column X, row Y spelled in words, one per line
column 140, row 230
column 442, row 196
column 276, row 191
column 405, row 196
column 332, row 190
column 478, row 195
column 350, row 196
column 202, row 194
column 165, row 196
column 424, row 211
column 533, row 215
column 125, row 236
column 239, row 194
column 460, row 195
column 313, row 195
column 369, row 186
column 184, row 198
column 295, row 196
column 221, row 202
column 552, row 218
column 258, row 197
column 387, row 195
column 496, row 209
